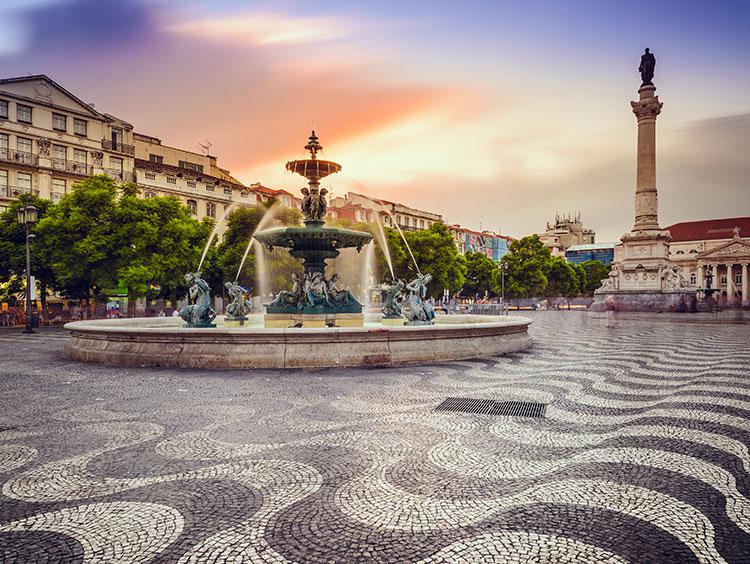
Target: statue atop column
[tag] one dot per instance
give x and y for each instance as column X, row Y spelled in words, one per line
column 648, row 63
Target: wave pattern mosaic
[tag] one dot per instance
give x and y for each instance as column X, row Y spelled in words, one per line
column 641, row 456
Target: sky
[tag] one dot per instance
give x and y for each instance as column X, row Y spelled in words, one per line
column 495, row 114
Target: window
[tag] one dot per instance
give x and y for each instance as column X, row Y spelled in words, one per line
column 4, row 109
column 192, row 207
column 23, row 113
column 693, row 279
column 191, row 166
column 79, row 160
column 150, row 176
column 115, row 164
column 3, row 146
column 209, row 188
column 158, row 159
column 80, row 127
column 211, row 209
column 191, row 183
column 723, row 278
column 24, row 154
column 24, row 182
column 421, row 223
column 228, row 191
column 693, row 251
column 116, row 139
column 59, row 156
column 680, row 252
column 738, row 278
column 149, row 195
column 58, row 189
column 3, row 182
column 59, row 122
column 171, row 180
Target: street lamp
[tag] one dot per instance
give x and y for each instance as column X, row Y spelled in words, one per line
column 503, row 270
column 27, row 216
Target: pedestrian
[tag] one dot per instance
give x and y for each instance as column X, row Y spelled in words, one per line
column 611, row 312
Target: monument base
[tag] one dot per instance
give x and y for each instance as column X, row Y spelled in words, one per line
column 393, row 321
column 312, row 320
column 655, row 301
column 235, row 322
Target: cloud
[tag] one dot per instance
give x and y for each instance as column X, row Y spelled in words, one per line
column 264, row 27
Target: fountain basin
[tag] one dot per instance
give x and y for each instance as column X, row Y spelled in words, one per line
column 314, row 237
column 165, row 342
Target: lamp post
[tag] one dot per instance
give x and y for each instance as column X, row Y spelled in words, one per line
column 27, row 216
column 503, row 270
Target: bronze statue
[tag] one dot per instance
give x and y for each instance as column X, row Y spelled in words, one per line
column 648, row 63
column 419, row 312
column 293, row 298
column 394, row 297
column 238, row 309
column 199, row 313
column 339, row 296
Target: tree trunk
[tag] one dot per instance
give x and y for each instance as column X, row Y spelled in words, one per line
column 43, row 290
column 131, row 305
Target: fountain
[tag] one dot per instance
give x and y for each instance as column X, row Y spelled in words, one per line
column 319, row 304
column 316, row 323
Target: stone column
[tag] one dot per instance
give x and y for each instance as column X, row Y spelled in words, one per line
column 699, row 276
column 745, row 297
column 730, row 285
column 646, row 202
column 715, row 273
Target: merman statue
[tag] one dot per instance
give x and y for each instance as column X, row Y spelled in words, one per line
column 199, row 312
column 417, row 311
column 394, row 297
column 239, row 307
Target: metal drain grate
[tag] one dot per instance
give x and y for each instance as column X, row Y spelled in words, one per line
column 492, row 407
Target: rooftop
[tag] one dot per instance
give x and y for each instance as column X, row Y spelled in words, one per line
column 709, row 229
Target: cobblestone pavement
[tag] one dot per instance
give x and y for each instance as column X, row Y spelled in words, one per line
column 642, row 456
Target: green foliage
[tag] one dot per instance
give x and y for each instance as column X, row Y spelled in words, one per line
column 76, row 238
column 481, row 275
column 562, row 279
column 436, row 253
column 595, row 271
column 528, row 262
column 13, row 250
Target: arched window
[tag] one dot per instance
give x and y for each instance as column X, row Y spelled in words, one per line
column 192, row 207
column 211, row 209
column 693, row 251
column 149, row 195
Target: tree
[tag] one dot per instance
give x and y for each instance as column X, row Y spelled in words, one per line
column 562, row 280
column 436, row 253
column 76, row 239
column 158, row 242
column 528, row 261
column 481, row 274
column 596, row 271
column 13, row 252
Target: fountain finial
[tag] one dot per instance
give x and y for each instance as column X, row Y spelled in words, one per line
column 313, row 146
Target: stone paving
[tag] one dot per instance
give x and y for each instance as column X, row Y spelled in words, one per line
column 642, row 455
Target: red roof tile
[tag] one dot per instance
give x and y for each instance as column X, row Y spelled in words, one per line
column 709, row 229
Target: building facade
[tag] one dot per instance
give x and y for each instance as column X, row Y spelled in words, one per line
column 489, row 243
column 564, row 232
column 50, row 139
column 714, row 254
column 358, row 207
column 603, row 252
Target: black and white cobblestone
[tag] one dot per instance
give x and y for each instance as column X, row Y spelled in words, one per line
column 642, row 457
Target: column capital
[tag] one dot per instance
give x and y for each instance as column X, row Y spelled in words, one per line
column 647, row 108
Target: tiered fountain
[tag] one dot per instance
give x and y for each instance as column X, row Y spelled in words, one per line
column 314, row 301
column 315, row 324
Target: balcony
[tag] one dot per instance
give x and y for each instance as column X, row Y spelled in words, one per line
column 72, row 167
column 15, row 191
column 118, row 147
column 19, row 157
column 122, row 175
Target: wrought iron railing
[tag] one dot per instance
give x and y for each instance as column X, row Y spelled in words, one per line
column 15, row 191
column 20, row 157
column 74, row 167
column 123, row 175
column 109, row 145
